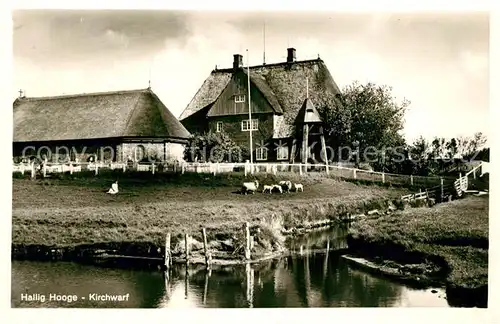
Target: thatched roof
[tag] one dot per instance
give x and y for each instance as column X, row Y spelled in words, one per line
column 133, row 113
column 284, row 83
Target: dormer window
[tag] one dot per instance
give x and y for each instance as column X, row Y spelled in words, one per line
column 239, row 98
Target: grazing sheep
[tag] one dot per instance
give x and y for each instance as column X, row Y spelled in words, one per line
column 299, row 187
column 249, row 187
column 286, row 185
column 278, row 188
column 268, row 188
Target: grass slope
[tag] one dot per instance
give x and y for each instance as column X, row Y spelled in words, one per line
column 456, row 231
column 68, row 212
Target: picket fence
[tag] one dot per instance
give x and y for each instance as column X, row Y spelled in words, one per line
column 246, row 168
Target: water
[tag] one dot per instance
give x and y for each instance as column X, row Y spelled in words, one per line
column 314, row 279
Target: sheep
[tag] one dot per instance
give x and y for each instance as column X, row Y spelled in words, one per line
column 278, row 188
column 268, row 188
column 298, row 187
column 286, row 185
column 249, row 187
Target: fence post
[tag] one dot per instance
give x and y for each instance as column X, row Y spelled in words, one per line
column 411, row 179
column 186, row 242
column 208, row 257
column 442, row 189
column 383, row 177
column 247, row 241
column 182, row 168
column 168, row 259
column 153, row 168
column 247, row 165
column 45, row 168
column 474, row 173
column 96, row 168
column 124, row 166
column 33, row 170
column 275, row 169
column 300, row 168
column 354, row 173
column 70, row 167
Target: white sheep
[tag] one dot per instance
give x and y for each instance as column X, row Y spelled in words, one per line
column 249, row 187
column 268, row 188
column 278, row 188
column 298, row 187
column 286, row 185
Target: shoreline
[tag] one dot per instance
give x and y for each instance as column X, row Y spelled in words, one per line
column 457, row 264
column 282, row 217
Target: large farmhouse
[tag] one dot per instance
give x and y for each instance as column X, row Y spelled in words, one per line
column 113, row 126
column 284, row 102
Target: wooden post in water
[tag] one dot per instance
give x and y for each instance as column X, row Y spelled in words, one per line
column 250, row 283
column 168, row 255
column 325, row 264
column 205, row 290
column 186, row 242
column 186, row 282
column 208, row 256
column 247, row 241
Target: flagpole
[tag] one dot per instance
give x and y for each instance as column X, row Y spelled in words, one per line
column 250, row 114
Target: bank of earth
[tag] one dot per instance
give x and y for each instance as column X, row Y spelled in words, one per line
column 71, row 217
column 446, row 244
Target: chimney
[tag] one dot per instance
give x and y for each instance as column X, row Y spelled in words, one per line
column 291, row 55
column 238, row 61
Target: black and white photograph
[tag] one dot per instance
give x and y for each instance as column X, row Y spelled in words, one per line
column 250, row 159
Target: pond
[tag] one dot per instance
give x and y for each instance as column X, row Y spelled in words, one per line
column 309, row 278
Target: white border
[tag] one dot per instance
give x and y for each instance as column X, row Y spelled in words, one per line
column 379, row 315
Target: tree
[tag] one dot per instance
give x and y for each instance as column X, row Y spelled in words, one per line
column 368, row 115
column 214, row 147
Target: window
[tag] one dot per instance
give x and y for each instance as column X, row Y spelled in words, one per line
column 282, row 151
column 261, row 153
column 245, row 124
column 219, row 127
column 239, row 98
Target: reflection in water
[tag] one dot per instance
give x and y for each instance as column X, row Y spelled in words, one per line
column 315, row 279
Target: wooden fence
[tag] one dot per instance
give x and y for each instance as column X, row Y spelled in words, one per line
column 445, row 189
column 246, row 168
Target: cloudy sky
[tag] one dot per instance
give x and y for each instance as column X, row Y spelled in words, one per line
column 439, row 62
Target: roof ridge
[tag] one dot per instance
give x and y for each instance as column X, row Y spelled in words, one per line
column 270, row 65
column 130, row 114
column 76, row 95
